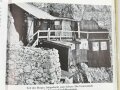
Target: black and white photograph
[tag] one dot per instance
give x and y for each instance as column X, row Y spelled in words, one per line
column 59, row 43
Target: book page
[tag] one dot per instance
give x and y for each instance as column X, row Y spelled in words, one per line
column 3, row 37
column 40, row 40
column 118, row 38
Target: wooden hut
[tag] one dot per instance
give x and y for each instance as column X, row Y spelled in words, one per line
column 92, row 46
column 98, row 53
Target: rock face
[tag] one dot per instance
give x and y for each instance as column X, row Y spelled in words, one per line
column 99, row 13
column 98, row 75
column 92, row 75
column 13, row 36
column 30, row 66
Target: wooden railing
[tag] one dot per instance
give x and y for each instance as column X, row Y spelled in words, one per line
column 60, row 34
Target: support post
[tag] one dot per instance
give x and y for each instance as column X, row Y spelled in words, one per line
column 77, row 43
column 38, row 35
column 78, row 29
column 61, row 35
column 48, row 34
column 87, row 35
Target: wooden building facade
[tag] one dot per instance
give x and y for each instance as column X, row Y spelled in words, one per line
column 94, row 46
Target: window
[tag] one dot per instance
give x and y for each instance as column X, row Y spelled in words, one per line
column 95, row 46
column 84, row 44
column 57, row 23
column 103, row 45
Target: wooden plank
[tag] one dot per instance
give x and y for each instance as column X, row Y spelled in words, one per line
column 43, row 37
column 48, row 34
column 42, row 30
column 98, row 39
column 78, row 29
column 94, row 32
column 74, row 31
column 59, row 44
column 34, row 35
column 55, row 37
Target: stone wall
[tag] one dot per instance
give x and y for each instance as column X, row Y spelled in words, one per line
column 30, row 66
column 98, row 75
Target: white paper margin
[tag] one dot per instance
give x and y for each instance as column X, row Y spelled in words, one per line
column 3, row 37
column 94, row 86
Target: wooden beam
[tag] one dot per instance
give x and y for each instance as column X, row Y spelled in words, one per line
column 98, row 39
column 94, row 32
column 87, row 35
column 78, row 29
column 75, row 31
column 48, row 34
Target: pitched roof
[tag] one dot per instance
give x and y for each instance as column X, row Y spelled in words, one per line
column 35, row 11
column 38, row 13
